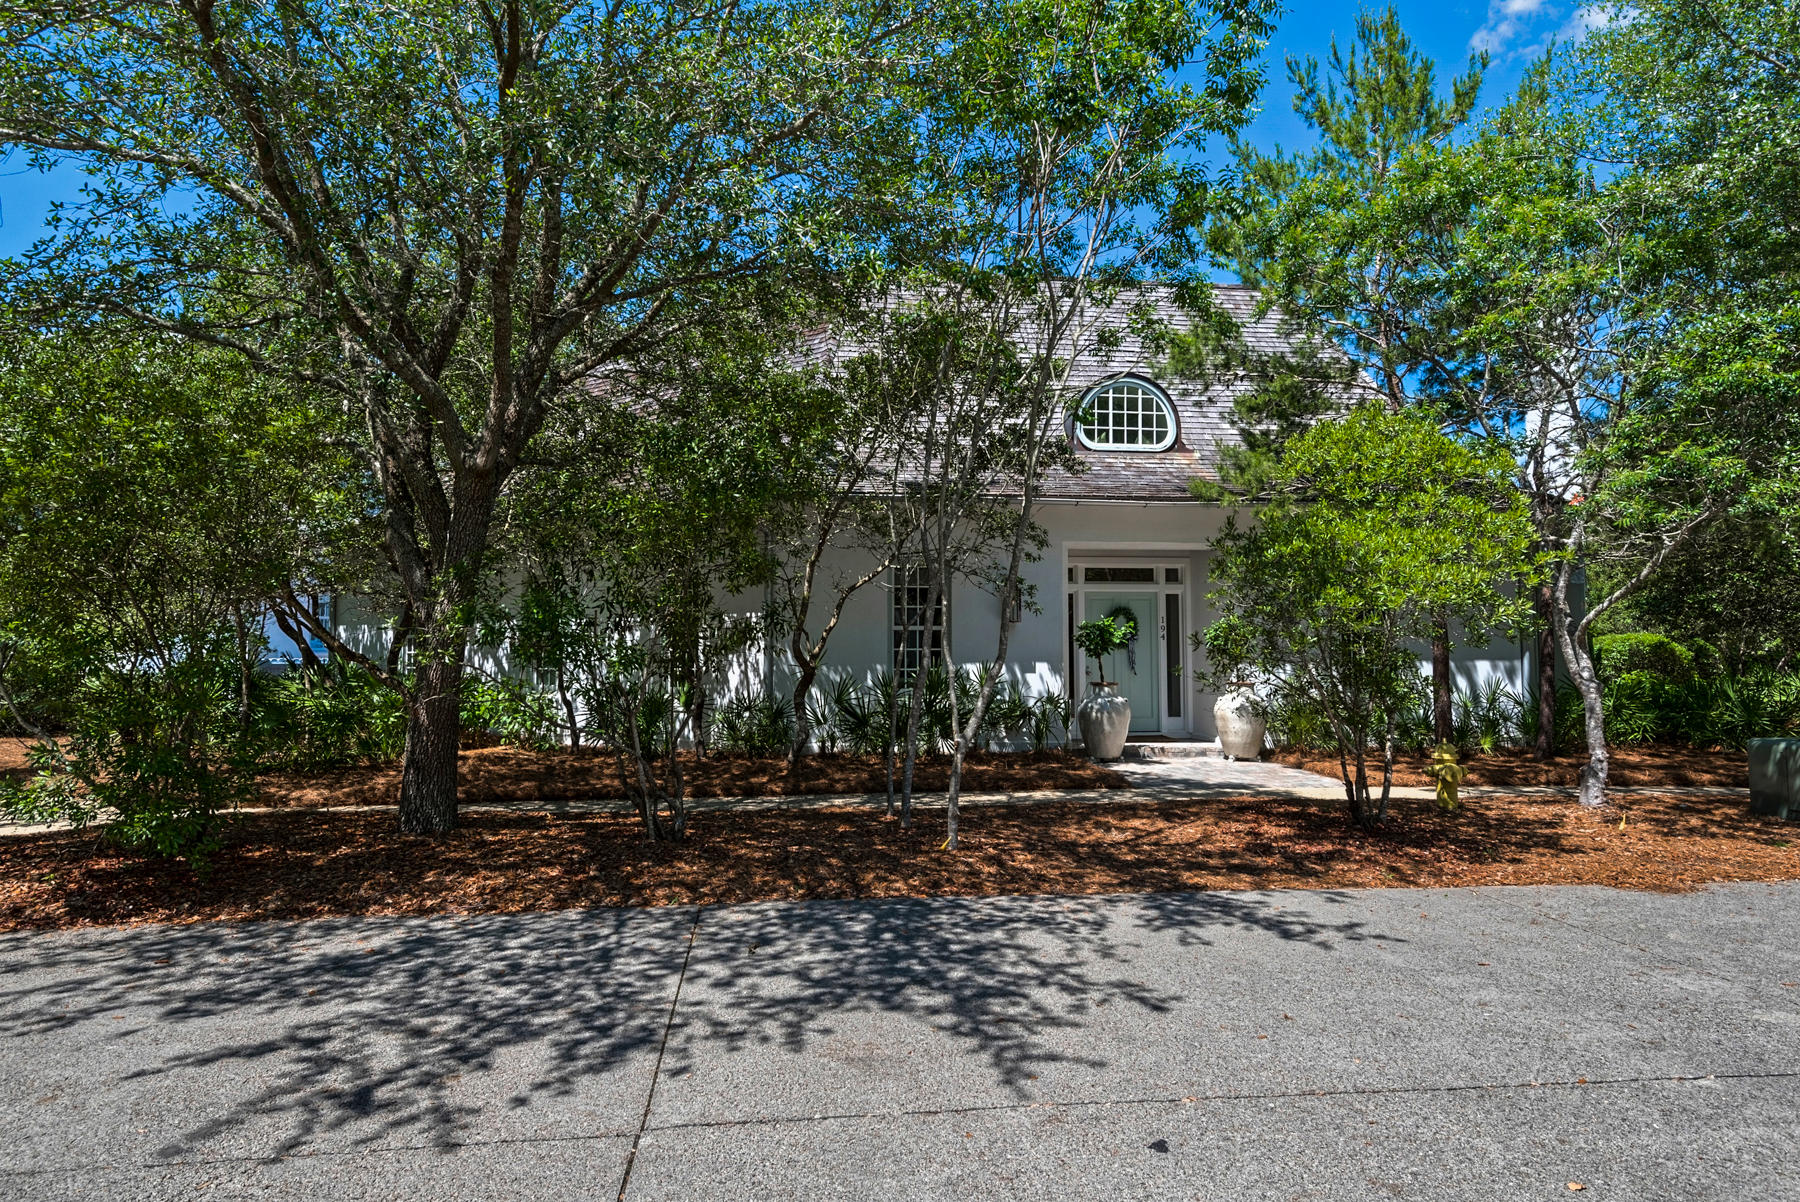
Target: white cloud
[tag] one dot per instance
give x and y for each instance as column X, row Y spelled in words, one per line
column 1518, row 28
column 1507, row 20
column 1583, row 21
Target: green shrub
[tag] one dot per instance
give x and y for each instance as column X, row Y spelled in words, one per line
column 1639, row 708
column 152, row 756
column 1299, row 723
column 328, row 717
column 825, row 713
column 862, row 715
column 1618, row 655
column 510, row 711
column 754, row 724
column 1569, row 728
column 1045, row 716
column 39, row 688
column 1486, row 719
column 1644, row 707
column 855, row 718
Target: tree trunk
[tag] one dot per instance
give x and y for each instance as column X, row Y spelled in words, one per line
column 428, row 774
column 1593, row 705
column 1387, row 770
column 308, row 661
column 916, row 711
column 893, row 720
column 1442, row 717
column 1593, row 721
column 1545, row 746
column 1360, row 809
column 809, row 671
column 910, row 748
column 245, row 669
column 568, row 704
column 956, row 751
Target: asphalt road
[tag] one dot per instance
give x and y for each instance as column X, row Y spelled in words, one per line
column 1446, row 1044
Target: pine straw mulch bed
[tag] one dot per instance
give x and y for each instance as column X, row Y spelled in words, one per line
column 1652, row 765
column 492, row 775
column 291, row 865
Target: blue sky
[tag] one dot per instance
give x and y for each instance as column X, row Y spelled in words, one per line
column 1513, row 31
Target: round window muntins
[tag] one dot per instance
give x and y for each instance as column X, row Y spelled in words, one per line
column 1126, row 415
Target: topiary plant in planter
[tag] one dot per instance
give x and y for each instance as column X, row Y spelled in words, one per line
column 1104, row 716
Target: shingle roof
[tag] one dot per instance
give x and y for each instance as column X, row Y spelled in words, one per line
column 1203, row 407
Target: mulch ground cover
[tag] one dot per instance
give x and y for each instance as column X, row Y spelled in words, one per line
column 307, row 864
column 492, row 775
column 1651, row 765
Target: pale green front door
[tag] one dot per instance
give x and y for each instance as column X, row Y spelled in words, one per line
column 1135, row 669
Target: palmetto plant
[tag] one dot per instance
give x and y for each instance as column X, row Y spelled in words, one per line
column 854, row 717
column 828, row 712
column 754, row 724
column 1487, row 718
column 863, row 712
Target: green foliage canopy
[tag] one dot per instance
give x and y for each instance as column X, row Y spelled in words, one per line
column 1382, row 524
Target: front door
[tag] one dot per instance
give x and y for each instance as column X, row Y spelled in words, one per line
column 1134, row 669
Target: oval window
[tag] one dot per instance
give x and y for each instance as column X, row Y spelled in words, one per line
column 1126, row 415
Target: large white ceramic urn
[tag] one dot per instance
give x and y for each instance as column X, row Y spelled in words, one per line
column 1241, row 724
column 1104, row 716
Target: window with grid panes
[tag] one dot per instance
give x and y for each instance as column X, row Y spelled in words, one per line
column 1126, row 415
column 918, row 643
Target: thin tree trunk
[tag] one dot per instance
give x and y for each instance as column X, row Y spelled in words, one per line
column 676, row 790
column 646, row 783
column 916, row 711
column 910, row 746
column 956, row 748
column 1545, row 746
column 958, row 744
column 1387, row 770
column 893, row 719
column 568, row 704
column 990, row 680
column 1587, row 683
column 1442, row 716
column 1361, row 808
column 244, row 670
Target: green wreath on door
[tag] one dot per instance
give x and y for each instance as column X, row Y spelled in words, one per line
column 1126, row 618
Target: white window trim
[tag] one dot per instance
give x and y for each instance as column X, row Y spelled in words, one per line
column 1158, row 395
column 932, row 638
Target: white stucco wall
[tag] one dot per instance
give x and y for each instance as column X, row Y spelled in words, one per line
column 1038, row 660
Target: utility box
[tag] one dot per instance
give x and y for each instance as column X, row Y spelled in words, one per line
column 1775, row 777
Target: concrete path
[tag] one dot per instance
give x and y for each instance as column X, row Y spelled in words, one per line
column 1445, row 1044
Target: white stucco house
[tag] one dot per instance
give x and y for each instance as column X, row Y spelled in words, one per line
column 1126, row 531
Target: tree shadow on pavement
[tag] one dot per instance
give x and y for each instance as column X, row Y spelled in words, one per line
column 273, row 1039
column 1011, row 981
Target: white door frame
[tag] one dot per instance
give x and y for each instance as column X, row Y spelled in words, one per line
column 1076, row 588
